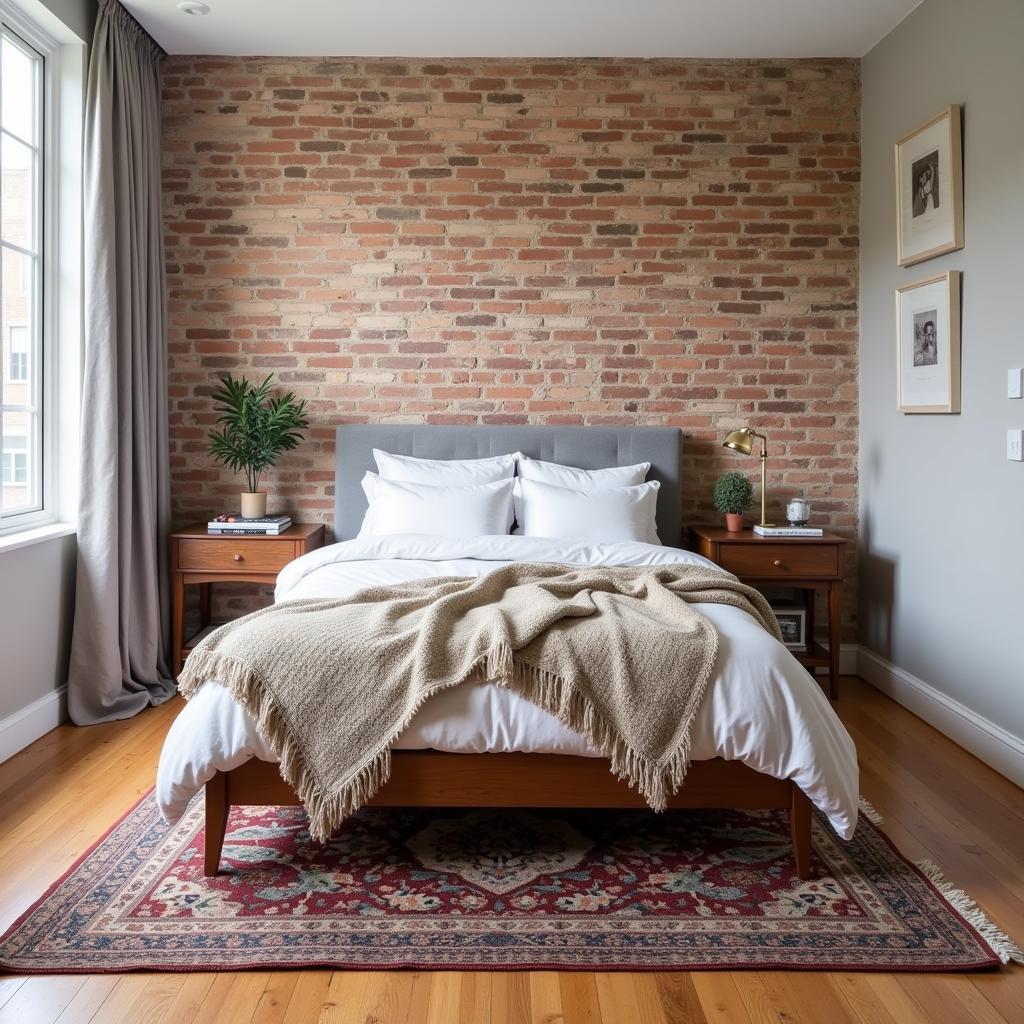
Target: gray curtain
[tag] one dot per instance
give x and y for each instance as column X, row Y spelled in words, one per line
column 120, row 643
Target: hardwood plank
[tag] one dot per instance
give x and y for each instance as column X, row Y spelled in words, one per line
column 807, row 996
column 345, row 997
column 545, row 998
column 720, row 999
column 617, row 997
column 88, row 999
column 680, row 999
column 445, row 995
column 475, row 998
column 150, row 1002
column 188, row 1000
column 1003, row 990
column 385, row 998
column 510, row 998
column 648, row 997
column 8, row 986
column 579, row 997
column 865, row 1002
column 275, row 998
column 41, row 1000
column 308, row 997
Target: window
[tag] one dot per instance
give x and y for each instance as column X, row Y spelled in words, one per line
column 15, row 460
column 23, row 92
column 18, row 364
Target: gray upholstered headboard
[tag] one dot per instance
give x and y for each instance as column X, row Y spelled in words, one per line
column 584, row 447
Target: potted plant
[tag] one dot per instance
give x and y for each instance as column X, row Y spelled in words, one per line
column 257, row 428
column 734, row 494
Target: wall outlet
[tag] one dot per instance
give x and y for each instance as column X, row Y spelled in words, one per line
column 1015, row 445
column 1015, row 383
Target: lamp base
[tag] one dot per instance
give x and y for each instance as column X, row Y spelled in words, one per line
column 765, row 524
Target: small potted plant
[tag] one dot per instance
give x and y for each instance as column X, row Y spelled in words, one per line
column 734, row 494
column 257, row 428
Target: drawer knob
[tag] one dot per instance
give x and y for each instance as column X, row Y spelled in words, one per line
column 238, row 558
column 777, row 563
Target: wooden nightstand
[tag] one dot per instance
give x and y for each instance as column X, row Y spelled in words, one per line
column 202, row 558
column 805, row 563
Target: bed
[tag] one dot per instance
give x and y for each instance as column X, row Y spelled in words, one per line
column 765, row 736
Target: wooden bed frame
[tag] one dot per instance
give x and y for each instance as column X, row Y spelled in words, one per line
column 430, row 778
column 435, row 779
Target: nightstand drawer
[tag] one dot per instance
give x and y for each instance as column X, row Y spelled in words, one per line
column 235, row 555
column 780, row 560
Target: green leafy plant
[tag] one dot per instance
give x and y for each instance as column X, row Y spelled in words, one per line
column 257, row 427
column 733, row 493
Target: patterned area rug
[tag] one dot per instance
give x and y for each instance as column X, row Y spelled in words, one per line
column 497, row 890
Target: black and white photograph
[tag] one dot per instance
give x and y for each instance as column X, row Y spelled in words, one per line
column 925, row 352
column 925, row 181
column 929, row 190
column 793, row 626
column 928, row 345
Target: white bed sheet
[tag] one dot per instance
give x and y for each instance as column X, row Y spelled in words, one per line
column 761, row 706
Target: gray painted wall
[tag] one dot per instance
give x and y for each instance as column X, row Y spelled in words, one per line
column 78, row 15
column 942, row 530
column 37, row 587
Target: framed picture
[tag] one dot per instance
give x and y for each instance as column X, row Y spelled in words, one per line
column 793, row 623
column 928, row 344
column 930, row 190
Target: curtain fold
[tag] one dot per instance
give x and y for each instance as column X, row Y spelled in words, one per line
column 120, row 644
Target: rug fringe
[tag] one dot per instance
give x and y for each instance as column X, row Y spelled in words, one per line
column 1002, row 945
column 870, row 813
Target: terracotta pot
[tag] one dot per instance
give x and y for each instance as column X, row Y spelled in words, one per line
column 254, row 505
column 734, row 522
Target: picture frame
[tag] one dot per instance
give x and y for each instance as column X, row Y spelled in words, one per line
column 930, row 190
column 928, row 344
column 793, row 623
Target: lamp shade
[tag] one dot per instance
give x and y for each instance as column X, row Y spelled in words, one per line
column 741, row 440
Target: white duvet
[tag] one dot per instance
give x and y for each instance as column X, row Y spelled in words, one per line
column 761, row 706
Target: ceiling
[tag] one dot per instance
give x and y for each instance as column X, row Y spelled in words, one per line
column 526, row 28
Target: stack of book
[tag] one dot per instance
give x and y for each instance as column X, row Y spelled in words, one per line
column 231, row 522
column 788, row 531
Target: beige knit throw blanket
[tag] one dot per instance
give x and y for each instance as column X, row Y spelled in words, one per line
column 616, row 654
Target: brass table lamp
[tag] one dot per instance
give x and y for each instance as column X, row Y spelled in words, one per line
column 742, row 441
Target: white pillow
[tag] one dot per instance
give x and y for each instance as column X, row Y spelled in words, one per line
column 439, row 472
column 581, row 479
column 401, row 506
column 615, row 513
column 590, row 481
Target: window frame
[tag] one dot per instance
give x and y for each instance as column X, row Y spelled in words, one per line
column 44, row 510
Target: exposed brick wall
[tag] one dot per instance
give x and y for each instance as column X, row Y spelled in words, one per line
column 461, row 241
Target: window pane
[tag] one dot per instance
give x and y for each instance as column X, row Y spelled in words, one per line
column 17, row 323
column 19, row 479
column 18, row 365
column 19, row 90
column 19, row 186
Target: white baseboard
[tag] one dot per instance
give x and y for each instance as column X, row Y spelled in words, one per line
column 848, row 659
column 989, row 742
column 27, row 724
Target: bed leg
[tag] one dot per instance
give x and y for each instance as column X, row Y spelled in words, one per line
column 800, row 831
column 217, row 810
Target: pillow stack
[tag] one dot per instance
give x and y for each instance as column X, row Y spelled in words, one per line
column 586, row 504
column 482, row 497
column 441, row 497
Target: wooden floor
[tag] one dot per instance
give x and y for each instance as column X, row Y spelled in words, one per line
column 63, row 792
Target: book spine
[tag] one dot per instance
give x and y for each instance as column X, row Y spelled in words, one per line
column 260, row 533
column 787, row 533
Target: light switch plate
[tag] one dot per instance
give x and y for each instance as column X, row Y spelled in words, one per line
column 1015, row 445
column 1015, row 383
